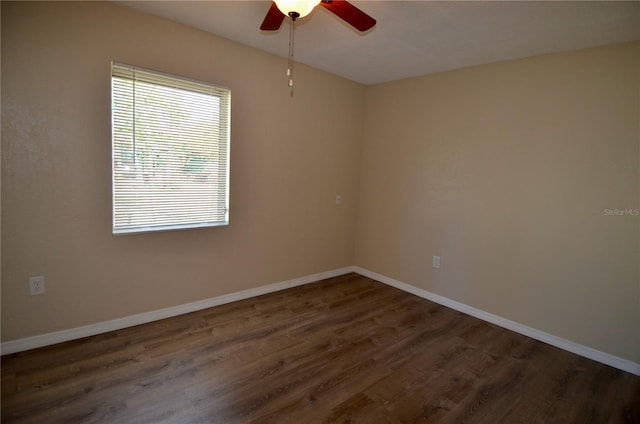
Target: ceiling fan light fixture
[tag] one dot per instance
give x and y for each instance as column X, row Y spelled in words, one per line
column 296, row 7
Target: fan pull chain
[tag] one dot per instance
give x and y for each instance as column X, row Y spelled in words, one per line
column 290, row 64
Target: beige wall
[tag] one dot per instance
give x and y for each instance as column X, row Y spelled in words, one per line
column 290, row 157
column 505, row 171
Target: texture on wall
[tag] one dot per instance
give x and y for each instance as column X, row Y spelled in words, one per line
column 286, row 168
column 523, row 177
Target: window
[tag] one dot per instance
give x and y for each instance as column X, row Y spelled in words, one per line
column 170, row 151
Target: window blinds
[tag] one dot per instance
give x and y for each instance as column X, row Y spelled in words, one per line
column 170, row 147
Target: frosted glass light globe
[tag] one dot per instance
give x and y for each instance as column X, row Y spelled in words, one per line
column 301, row 7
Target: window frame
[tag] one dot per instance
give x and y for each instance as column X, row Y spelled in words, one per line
column 222, row 144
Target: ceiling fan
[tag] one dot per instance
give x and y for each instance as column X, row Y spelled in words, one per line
column 299, row 8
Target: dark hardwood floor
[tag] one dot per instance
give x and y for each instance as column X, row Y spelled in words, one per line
column 343, row 350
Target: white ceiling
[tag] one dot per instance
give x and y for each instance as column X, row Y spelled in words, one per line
column 415, row 38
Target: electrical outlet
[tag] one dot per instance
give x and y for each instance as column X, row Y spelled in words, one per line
column 338, row 199
column 436, row 262
column 36, row 285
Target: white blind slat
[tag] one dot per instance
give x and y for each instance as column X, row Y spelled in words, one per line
column 170, row 144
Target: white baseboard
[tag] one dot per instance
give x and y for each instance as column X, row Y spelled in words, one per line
column 120, row 323
column 578, row 349
column 143, row 318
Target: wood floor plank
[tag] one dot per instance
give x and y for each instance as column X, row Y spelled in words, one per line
column 343, row 350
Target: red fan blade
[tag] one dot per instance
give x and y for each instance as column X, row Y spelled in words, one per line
column 350, row 14
column 273, row 20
